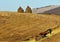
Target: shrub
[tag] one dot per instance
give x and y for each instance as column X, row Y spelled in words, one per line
column 20, row 10
column 28, row 10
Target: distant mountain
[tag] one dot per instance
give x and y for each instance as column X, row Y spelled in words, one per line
column 47, row 9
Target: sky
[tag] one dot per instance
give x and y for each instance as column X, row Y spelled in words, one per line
column 12, row 5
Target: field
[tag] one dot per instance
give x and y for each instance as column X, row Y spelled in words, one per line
column 19, row 26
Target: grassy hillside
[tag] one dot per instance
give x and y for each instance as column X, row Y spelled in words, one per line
column 18, row 26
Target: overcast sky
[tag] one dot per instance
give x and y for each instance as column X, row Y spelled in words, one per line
column 12, row 5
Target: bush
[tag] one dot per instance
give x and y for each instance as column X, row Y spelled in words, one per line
column 28, row 10
column 20, row 10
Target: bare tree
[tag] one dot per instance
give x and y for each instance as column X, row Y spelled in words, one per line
column 20, row 10
column 28, row 10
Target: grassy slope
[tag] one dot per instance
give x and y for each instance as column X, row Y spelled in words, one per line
column 16, row 26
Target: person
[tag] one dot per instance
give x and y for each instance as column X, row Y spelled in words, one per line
column 35, row 37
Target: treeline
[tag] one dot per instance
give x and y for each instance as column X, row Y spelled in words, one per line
column 28, row 10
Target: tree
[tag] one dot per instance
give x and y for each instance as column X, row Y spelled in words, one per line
column 20, row 10
column 28, row 10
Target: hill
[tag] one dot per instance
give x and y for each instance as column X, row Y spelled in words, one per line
column 18, row 26
column 47, row 10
